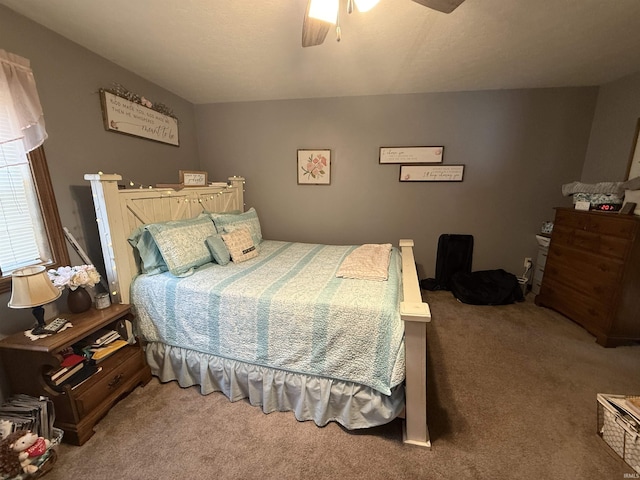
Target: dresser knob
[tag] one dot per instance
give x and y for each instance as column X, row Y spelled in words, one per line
column 115, row 381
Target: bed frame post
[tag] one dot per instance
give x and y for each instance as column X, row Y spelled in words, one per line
column 415, row 314
column 104, row 188
column 238, row 183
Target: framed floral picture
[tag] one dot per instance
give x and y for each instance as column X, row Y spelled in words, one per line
column 314, row 167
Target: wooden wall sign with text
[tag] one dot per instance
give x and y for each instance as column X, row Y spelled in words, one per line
column 122, row 116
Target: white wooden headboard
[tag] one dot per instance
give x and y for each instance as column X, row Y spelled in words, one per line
column 120, row 211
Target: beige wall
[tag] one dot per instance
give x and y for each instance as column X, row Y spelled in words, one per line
column 518, row 146
column 68, row 78
column 614, row 128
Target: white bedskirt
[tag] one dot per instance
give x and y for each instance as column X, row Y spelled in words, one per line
column 310, row 398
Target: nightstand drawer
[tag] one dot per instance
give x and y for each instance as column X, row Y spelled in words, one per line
column 116, row 371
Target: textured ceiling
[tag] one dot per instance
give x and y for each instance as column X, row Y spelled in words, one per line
column 219, row 50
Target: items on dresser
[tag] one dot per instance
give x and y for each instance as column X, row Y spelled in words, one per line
column 592, row 273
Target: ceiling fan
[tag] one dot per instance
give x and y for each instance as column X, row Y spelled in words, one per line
column 321, row 15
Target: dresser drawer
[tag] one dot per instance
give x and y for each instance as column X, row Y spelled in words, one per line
column 615, row 225
column 577, row 305
column 116, row 370
column 596, row 243
column 569, row 219
column 592, row 274
column 600, row 223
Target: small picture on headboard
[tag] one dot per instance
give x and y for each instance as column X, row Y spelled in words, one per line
column 193, row 178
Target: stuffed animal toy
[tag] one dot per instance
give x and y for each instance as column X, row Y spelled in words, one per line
column 19, row 450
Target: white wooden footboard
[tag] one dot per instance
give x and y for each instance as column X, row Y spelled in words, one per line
column 415, row 314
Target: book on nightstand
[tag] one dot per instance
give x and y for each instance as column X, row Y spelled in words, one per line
column 99, row 354
column 59, row 377
column 87, row 370
column 70, row 364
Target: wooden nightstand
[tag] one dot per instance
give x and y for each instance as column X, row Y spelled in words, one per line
column 29, row 364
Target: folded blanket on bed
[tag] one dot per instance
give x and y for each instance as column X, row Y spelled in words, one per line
column 367, row 262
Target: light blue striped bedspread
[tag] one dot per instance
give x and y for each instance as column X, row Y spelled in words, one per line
column 284, row 309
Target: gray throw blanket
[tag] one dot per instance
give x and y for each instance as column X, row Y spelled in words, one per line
column 617, row 188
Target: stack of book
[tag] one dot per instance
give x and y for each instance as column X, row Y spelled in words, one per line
column 102, row 344
column 70, row 365
column 22, row 412
column 80, row 362
column 74, row 370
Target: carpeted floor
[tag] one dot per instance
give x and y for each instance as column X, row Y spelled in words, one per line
column 512, row 394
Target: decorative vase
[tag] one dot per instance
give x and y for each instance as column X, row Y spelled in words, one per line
column 79, row 300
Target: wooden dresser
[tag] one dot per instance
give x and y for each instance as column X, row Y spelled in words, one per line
column 592, row 273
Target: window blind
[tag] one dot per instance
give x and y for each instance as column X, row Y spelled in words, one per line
column 20, row 217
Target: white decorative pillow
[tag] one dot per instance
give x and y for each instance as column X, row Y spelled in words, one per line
column 240, row 244
column 182, row 243
column 633, row 196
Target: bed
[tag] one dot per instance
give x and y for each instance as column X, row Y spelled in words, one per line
column 275, row 325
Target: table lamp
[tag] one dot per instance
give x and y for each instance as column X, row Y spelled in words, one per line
column 32, row 288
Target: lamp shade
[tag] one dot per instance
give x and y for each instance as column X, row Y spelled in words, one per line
column 31, row 287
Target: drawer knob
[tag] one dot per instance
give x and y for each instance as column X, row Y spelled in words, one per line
column 115, row 381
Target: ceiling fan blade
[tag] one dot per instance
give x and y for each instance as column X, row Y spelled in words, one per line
column 444, row 6
column 314, row 31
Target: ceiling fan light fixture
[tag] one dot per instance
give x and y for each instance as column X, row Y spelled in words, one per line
column 325, row 10
column 366, row 5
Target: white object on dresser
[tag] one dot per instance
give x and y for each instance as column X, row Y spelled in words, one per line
column 541, row 259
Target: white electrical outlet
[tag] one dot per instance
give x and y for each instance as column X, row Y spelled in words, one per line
column 527, row 262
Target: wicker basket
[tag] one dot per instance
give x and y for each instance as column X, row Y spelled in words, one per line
column 46, row 461
column 619, row 430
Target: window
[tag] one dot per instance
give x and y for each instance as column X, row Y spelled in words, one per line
column 30, row 228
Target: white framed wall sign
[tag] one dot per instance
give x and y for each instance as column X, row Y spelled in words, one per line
column 431, row 173
column 123, row 116
column 411, row 154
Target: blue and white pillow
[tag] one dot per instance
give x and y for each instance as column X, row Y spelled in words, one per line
column 151, row 261
column 182, row 243
column 229, row 222
column 218, row 249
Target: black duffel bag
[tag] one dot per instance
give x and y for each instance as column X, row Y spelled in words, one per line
column 486, row 287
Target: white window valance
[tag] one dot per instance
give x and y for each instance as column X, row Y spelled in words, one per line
column 21, row 115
